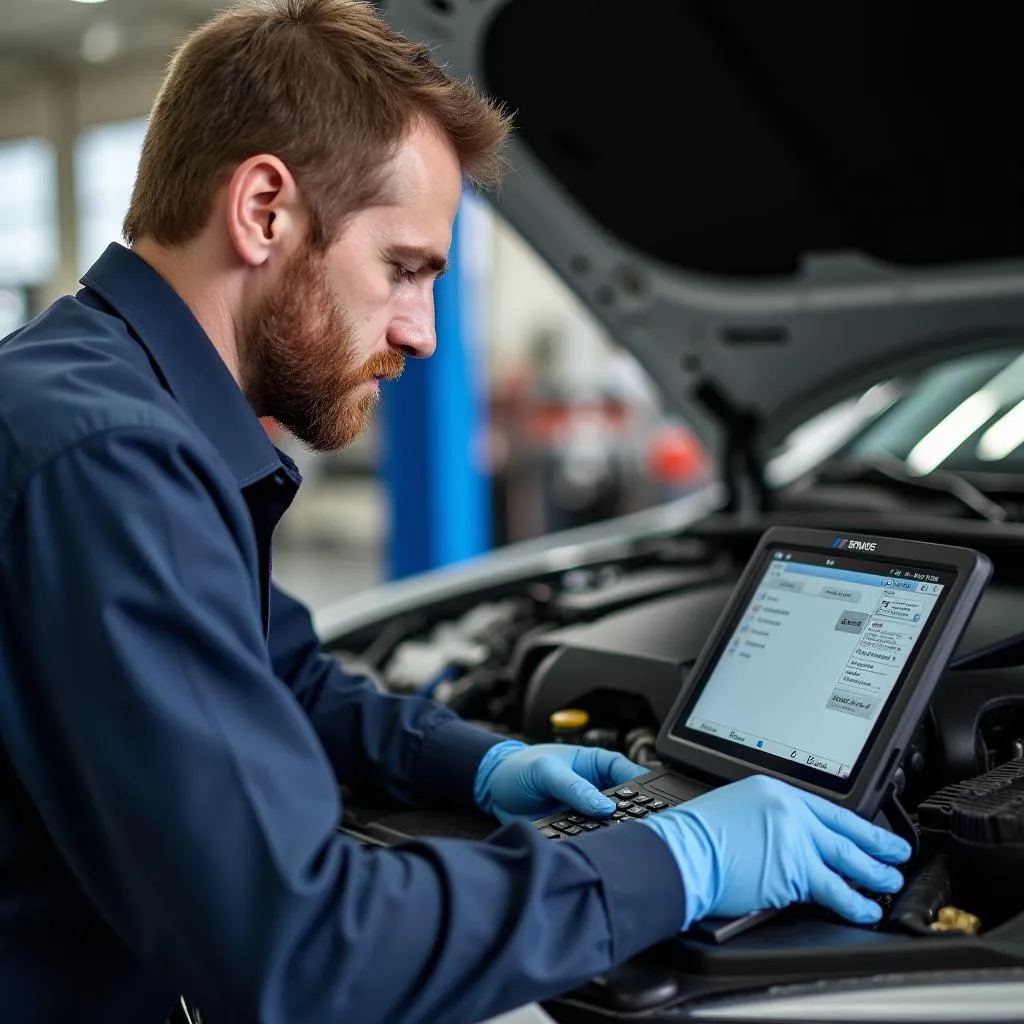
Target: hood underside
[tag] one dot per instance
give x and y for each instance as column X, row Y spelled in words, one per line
column 773, row 205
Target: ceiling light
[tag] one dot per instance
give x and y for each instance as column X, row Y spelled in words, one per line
column 88, row 1
column 102, row 42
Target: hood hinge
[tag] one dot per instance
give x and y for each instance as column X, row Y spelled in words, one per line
column 744, row 477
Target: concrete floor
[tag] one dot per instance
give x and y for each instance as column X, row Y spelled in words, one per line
column 320, row 577
column 328, row 544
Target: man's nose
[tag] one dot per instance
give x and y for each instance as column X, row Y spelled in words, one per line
column 415, row 336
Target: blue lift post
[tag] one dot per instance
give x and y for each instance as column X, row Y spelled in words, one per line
column 434, row 418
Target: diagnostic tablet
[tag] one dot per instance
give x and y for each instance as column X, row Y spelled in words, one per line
column 822, row 665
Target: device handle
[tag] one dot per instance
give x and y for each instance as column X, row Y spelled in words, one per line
column 894, row 817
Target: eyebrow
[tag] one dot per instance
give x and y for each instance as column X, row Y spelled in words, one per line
column 420, row 257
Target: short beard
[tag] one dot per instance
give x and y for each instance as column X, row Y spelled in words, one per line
column 299, row 360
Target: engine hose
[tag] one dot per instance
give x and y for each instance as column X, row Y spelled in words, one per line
column 926, row 894
column 640, row 747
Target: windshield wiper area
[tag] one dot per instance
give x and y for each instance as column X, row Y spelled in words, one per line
column 880, row 469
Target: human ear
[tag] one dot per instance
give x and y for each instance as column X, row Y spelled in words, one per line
column 262, row 210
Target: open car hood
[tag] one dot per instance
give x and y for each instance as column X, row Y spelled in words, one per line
column 772, row 205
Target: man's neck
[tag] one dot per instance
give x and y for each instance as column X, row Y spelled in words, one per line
column 201, row 288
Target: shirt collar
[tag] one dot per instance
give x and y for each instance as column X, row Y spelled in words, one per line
column 191, row 367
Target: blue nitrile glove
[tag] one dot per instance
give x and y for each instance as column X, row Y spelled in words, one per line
column 761, row 843
column 515, row 780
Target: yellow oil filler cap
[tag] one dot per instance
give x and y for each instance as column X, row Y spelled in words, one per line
column 568, row 722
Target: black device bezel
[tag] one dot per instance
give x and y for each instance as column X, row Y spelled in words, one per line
column 870, row 779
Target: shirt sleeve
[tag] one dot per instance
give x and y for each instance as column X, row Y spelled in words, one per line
column 406, row 747
column 188, row 792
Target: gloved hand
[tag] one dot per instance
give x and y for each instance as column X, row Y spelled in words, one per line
column 761, row 843
column 515, row 780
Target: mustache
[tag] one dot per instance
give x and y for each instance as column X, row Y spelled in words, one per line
column 388, row 365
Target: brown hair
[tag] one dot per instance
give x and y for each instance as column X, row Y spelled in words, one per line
column 326, row 86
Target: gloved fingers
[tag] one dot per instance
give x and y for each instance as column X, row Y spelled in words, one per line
column 879, row 843
column 606, row 768
column 849, row 860
column 556, row 779
column 828, row 889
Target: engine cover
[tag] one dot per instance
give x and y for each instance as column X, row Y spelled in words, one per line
column 646, row 651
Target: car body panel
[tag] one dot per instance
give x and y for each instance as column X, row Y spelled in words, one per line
column 555, row 552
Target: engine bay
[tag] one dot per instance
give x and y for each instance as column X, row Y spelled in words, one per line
column 615, row 640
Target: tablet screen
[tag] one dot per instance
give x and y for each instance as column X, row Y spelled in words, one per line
column 819, row 649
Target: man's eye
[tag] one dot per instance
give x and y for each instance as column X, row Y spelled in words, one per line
column 403, row 274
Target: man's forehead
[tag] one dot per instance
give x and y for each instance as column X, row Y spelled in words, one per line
column 424, row 171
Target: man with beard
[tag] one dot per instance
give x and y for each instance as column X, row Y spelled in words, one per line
column 171, row 736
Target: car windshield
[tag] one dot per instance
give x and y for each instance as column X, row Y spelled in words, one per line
column 965, row 416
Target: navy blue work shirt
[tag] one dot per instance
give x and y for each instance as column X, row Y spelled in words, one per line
column 172, row 736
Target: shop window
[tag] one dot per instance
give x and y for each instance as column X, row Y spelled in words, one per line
column 28, row 212
column 106, row 160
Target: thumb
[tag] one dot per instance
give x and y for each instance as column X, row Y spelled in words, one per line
column 557, row 780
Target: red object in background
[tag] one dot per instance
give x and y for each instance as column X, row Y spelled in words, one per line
column 546, row 422
column 676, row 456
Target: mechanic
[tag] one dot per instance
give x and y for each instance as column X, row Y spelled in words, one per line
column 172, row 738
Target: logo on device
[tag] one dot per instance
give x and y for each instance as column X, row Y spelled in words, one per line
column 854, row 545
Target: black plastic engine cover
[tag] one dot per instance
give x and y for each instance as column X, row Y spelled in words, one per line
column 645, row 651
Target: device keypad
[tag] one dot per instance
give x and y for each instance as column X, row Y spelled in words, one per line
column 631, row 804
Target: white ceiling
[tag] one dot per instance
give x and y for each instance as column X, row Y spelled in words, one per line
column 47, row 32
